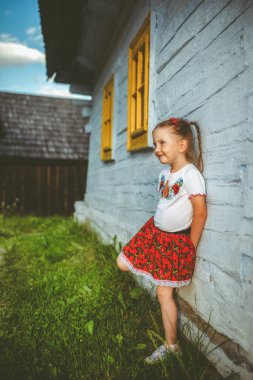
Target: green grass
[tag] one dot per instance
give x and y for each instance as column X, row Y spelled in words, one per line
column 67, row 312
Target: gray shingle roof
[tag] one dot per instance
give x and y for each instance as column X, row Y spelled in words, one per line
column 42, row 127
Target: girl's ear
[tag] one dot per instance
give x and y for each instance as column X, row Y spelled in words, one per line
column 183, row 144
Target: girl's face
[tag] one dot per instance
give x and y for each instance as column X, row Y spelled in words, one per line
column 166, row 146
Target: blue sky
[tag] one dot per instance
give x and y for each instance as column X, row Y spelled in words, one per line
column 22, row 58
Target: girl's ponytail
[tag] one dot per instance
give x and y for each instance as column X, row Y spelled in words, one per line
column 199, row 158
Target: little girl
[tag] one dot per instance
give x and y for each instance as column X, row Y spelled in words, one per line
column 164, row 249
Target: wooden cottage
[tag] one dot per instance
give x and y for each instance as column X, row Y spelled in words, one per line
column 145, row 61
column 43, row 153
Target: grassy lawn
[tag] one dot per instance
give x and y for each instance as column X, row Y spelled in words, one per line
column 67, row 312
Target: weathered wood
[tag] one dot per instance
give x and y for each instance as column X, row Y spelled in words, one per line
column 42, row 187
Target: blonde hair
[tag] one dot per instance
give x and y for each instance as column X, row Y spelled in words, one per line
column 183, row 128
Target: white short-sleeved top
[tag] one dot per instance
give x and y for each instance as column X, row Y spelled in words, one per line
column 174, row 211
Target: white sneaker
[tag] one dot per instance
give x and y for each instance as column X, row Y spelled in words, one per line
column 161, row 352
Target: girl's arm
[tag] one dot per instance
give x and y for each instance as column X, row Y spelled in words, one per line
column 199, row 218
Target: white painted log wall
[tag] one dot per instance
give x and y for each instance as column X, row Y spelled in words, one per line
column 200, row 68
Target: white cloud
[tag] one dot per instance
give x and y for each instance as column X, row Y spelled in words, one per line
column 58, row 90
column 5, row 37
column 31, row 31
column 34, row 35
column 49, row 89
column 38, row 37
column 16, row 54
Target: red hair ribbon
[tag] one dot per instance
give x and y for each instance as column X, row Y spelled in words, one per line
column 173, row 120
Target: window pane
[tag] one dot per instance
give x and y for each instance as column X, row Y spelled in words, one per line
column 142, row 107
column 139, row 73
column 143, row 65
column 133, row 113
column 134, row 75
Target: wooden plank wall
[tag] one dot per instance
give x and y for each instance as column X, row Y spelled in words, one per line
column 42, row 187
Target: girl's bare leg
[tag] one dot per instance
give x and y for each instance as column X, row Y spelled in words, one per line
column 169, row 313
column 121, row 265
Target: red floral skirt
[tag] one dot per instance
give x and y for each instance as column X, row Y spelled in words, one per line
column 166, row 258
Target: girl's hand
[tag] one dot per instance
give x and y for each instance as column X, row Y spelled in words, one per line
column 199, row 218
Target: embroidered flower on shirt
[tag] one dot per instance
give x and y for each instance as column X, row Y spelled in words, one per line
column 175, row 188
column 167, row 191
column 162, row 182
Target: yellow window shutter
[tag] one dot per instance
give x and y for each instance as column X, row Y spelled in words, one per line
column 138, row 84
column 107, row 122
